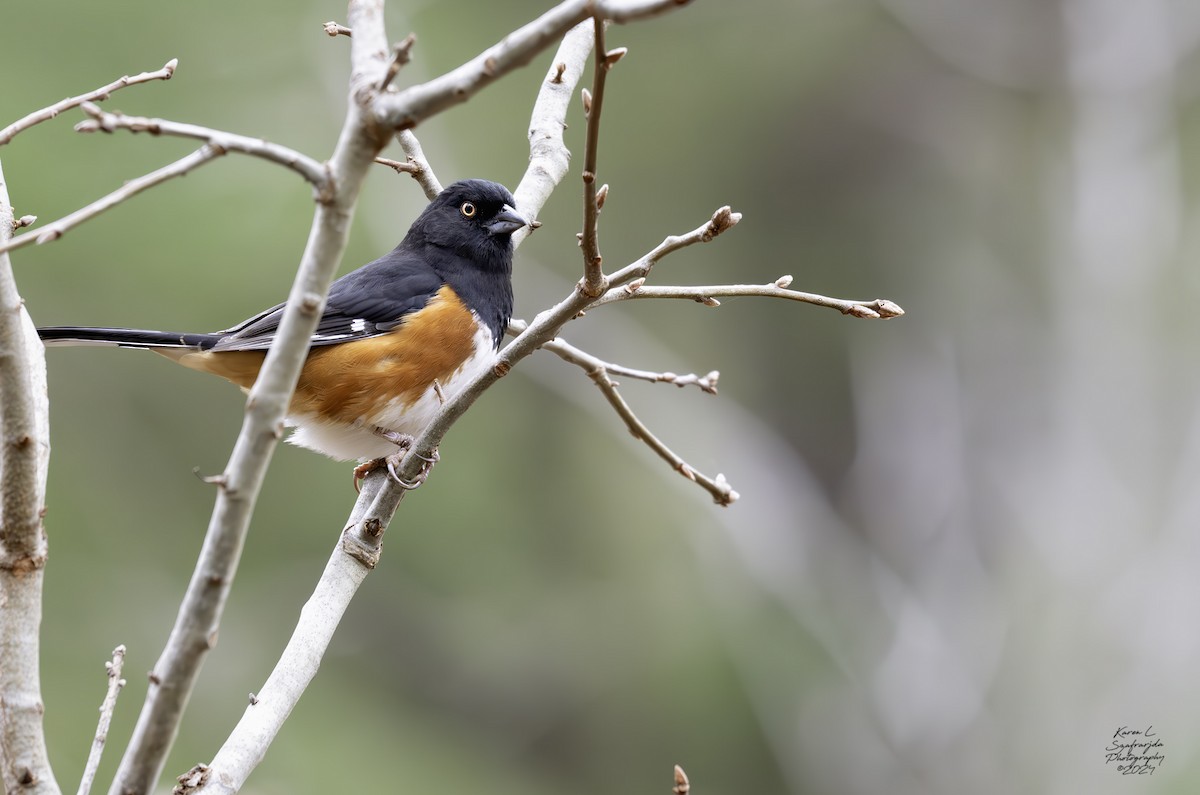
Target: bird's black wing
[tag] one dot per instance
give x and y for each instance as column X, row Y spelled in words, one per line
column 364, row 303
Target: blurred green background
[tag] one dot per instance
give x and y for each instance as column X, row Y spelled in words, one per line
column 966, row 548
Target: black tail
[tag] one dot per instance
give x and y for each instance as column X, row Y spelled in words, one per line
column 125, row 337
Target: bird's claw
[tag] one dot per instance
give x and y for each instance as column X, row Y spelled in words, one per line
column 393, row 461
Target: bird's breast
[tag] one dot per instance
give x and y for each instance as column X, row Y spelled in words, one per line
column 349, row 381
column 388, row 381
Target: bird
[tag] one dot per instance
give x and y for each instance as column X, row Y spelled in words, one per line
column 397, row 337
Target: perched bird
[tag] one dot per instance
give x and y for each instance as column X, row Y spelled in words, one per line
column 424, row 318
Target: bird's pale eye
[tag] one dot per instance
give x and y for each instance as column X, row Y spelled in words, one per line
column 468, row 210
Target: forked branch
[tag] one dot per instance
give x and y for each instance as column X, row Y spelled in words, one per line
column 217, row 144
column 601, row 373
column 99, row 94
column 421, row 171
column 101, row 120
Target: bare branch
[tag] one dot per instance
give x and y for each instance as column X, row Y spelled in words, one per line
column 594, row 283
column 308, row 168
column 549, row 158
column 409, row 107
column 405, row 167
column 174, row 675
column 600, row 371
column 631, row 283
column 24, row 460
column 45, row 114
column 218, row 143
column 880, row 308
column 58, row 228
column 334, row 30
column 401, row 54
column 705, row 383
column 23, row 439
column 722, row 493
column 115, row 683
column 355, row 555
column 587, row 361
column 722, row 220
column 422, row 171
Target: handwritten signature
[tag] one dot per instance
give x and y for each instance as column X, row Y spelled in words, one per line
column 1137, row 752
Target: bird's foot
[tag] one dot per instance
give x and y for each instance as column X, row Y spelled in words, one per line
column 392, row 462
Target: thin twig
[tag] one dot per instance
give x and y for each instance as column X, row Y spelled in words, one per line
column 880, row 308
column 333, row 29
column 722, row 220
column 601, row 371
column 401, row 54
column 587, row 361
column 218, row 142
column 58, row 228
column 705, row 383
column 115, row 683
column 422, row 172
column 594, row 283
column 722, row 493
column 45, row 114
column 400, row 167
column 308, row 168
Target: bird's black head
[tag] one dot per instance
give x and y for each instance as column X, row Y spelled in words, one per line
column 473, row 218
column 465, row 235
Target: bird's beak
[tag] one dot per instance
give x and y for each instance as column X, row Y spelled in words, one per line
column 506, row 222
